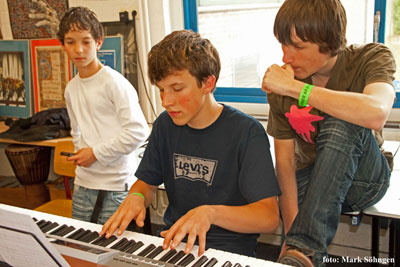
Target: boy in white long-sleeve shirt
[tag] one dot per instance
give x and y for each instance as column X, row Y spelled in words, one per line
column 106, row 120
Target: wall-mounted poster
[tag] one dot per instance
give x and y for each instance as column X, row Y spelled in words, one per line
column 15, row 85
column 51, row 73
column 32, row 19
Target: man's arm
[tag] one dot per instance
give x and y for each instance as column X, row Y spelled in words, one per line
column 133, row 207
column 242, row 219
column 369, row 109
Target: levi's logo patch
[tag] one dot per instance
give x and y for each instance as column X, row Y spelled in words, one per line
column 194, row 169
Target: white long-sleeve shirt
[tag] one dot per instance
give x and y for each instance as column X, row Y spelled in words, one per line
column 105, row 114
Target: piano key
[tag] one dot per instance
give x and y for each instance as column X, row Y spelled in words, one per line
column 155, row 252
column 49, row 227
column 168, row 255
column 227, row 264
column 81, row 236
column 121, row 243
column 186, row 260
column 76, row 234
column 177, row 257
column 200, row 261
column 90, row 237
column 135, row 247
column 107, row 241
column 41, row 223
column 128, row 245
column 211, row 262
column 147, row 250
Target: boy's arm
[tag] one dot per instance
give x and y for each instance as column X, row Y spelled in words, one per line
column 133, row 207
column 134, row 131
column 369, row 109
column 242, row 219
column 286, row 174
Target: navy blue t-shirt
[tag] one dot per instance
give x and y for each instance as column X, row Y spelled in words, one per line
column 227, row 163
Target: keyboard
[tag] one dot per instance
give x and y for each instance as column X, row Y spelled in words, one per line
column 131, row 248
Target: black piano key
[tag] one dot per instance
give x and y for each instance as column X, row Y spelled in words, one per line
column 237, row 265
column 147, row 250
column 186, row 260
column 98, row 240
column 155, row 252
column 177, row 257
column 135, row 247
column 76, row 233
column 168, row 255
column 120, row 243
column 107, row 241
column 41, row 223
column 50, row 227
column 128, row 245
column 59, row 229
column 200, row 261
column 34, row 219
column 66, row 231
column 227, row 264
column 89, row 237
column 83, row 235
column 211, row 262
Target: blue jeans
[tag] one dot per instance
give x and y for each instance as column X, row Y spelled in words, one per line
column 349, row 174
column 84, row 200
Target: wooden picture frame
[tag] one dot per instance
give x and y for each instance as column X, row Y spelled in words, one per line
column 51, row 71
column 15, row 83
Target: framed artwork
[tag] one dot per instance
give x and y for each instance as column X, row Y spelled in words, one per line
column 51, row 71
column 36, row 19
column 15, row 84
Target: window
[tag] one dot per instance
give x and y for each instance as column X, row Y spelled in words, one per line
column 242, row 32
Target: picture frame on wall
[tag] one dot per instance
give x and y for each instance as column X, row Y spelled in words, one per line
column 15, row 83
column 51, row 71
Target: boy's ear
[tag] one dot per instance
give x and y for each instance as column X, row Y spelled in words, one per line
column 99, row 43
column 209, row 84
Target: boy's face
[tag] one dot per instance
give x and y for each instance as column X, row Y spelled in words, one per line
column 81, row 48
column 305, row 58
column 182, row 98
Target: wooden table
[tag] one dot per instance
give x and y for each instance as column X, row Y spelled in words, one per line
column 47, row 143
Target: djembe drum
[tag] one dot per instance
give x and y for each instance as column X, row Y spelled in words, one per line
column 31, row 166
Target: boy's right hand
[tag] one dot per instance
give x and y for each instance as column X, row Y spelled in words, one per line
column 131, row 208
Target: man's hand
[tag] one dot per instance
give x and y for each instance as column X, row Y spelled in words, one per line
column 194, row 223
column 278, row 79
column 131, row 208
column 84, row 157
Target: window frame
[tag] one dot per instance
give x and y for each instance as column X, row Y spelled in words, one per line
column 256, row 95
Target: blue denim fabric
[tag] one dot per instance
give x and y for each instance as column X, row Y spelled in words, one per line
column 349, row 174
column 84, row 199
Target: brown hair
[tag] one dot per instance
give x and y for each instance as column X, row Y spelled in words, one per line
column 322, row 22
column 182, row 50
column 80, row 18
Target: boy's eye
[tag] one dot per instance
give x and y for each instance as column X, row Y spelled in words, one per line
column 177, row 88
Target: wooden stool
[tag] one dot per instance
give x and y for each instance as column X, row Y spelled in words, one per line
column 31, row 167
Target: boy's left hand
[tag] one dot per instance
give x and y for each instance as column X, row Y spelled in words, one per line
column 195, row 223
column 84, row 157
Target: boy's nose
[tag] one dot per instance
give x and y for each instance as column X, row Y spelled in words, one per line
column 167, row 100
column 287, row 55
column 78, row 48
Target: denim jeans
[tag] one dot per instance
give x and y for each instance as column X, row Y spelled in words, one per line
column 349, row 174
column 84, row 200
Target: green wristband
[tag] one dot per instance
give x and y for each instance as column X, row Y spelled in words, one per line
column 305, row 93
column 139, row 194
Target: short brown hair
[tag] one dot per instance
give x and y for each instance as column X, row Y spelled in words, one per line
column 182, row 50
column 80, row 18
column 322, row 22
